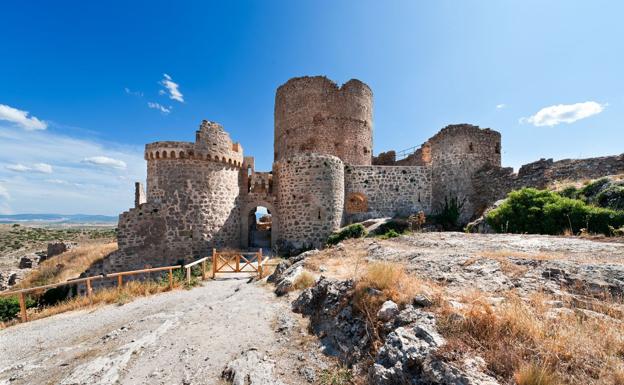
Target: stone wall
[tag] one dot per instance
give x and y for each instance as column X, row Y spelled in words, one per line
column 493, row 183
column 313, row 114
column 310, row 196
column 386, row 191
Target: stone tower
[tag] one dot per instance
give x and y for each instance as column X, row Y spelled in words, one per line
column 197, row 188
column 313, row 114
column 457, row 152
column 310, row 196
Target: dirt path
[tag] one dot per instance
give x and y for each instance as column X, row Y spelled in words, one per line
column 180, row 337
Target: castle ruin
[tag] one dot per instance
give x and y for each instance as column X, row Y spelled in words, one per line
column 204, row 194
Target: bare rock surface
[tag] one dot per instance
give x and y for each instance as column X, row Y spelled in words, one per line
column 178, row 337
column 499, row 262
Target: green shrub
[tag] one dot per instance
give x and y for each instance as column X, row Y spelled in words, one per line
column 351, row 231
column 593, row 188
column 396, row 225
column 10, row 308
column 390, row 234
column 544, row 212
column 448, row 215
column 611, row 197
column 570, row 192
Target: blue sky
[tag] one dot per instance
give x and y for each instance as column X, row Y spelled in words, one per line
column 546, row 74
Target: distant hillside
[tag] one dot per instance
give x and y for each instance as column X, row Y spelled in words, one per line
column 58, row 218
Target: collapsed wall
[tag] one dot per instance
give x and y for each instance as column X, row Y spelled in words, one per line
column 494, row 183
column 386, row 191
column 310, row 196
column 313, row 114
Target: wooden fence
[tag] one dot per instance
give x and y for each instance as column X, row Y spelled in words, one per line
column 237, row 262
column 217, row 258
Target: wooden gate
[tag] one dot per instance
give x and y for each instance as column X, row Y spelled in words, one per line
column 236, row 262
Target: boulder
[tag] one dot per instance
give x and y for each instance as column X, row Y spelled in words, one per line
column 288, row 278
column 388, row 311
column 56, row 248
column 26, row 262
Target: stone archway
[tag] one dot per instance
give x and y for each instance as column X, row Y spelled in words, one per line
column 245, row 221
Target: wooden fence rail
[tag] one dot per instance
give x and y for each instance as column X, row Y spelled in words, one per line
column 245, row 257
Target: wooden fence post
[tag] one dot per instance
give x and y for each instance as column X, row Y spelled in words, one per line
column 238, row 257
column 259, row 258
column 203, row 270
column 89, row 290
column 214, row 263
column 188, row 276
column 170, row 279
column 22, row 302
column 119, row 281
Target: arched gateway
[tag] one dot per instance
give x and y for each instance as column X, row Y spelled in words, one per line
column 255, row 232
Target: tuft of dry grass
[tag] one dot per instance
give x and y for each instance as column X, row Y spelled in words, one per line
column 67, row 265
column 304, row 280
column 533, row 374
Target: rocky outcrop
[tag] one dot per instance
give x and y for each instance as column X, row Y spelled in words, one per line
column 407, row 356
column 342, row 331
column 251, row 368
column 410, row 339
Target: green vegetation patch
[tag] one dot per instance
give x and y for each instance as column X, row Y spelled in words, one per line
column 10, row 308
column 351, row 231
column 535, row 211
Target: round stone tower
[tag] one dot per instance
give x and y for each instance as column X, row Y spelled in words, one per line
column 457, row 153
column 310, row 195
column 313, row 114
column 196, row 187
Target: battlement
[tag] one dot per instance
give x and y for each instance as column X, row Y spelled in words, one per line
column 212, row 143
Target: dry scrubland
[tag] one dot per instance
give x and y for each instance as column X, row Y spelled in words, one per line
column 539, row 310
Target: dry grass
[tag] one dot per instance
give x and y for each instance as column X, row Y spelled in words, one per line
column 68, row 265
column 120, row 296
column 304, row 280
column 346, row 264
column 531, row 342
column 532, row 374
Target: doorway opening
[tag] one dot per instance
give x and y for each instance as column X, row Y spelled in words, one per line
column 260, row 223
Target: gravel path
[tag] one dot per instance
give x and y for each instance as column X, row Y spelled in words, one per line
column 179, row 337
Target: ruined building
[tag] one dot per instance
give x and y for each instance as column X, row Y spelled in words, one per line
column 204, row 194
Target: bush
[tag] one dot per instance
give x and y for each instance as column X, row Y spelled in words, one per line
column 544, row 212
column 390, row 234
column 611, row 197
column 593, row 188
column 10, row 308
column 351, row 231
column 396, row 225
column 448, row 215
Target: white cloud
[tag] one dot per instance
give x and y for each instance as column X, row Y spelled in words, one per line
column 501, row 106
column 74, row 186
column 172, row 87
column 21, row 118
column 133, row 93
column 42, row 168
column 18, row 168
column 564, row 113
column 161, row 108
column 106, row 161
